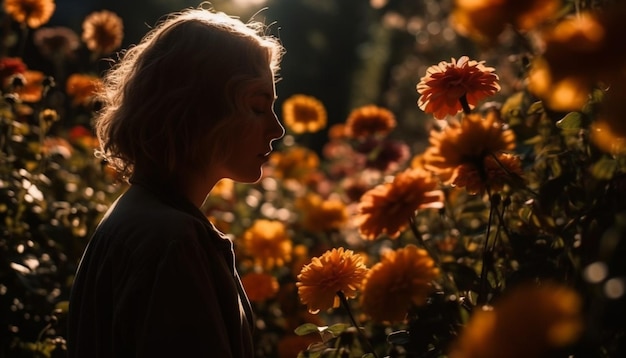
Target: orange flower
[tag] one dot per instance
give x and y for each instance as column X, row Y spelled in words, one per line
column 468, row 142
column 267, row 242
column 401, row 279
column 336, row 270
column 103, row 31
column 445, row 83
column 493, row 174
column 387, row 208
column 607, row 139
column 369, row 121
column 302, row 113
column 484, row 20
column 528, row 321
column 260, row 286
column 294, row 163
column 33, row 13
column 32, row 89
column 82, row 88
column 322, row 215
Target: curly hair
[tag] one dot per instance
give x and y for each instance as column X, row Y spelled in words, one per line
column 169, row 94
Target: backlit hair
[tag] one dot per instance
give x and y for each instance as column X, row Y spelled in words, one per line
column 168, row 95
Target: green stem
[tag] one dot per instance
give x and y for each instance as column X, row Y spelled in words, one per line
column 487, row 256
column 344, row 302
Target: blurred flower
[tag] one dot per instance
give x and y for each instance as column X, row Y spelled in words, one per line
column 33, row 13
column 370, row 120
column 337, row 132
column 445, row 83
column 32, row 86
column 320, row 214
column 294, row 163
column 82, row 88
column 336, row 270
column 385, row 155
column 10, row 66
column 103, row 31
column 607, row 139
column 224, row 189
column 57, row 146
column 302, row 113
column 401, row 279
column 468, row 142
column 494, row 173
column 83, row 137
column 387, row 208
column 268, row 243
column 56, row 42
column 595, row 41
column 484, row 20
column 259, row 286
column 528, row 321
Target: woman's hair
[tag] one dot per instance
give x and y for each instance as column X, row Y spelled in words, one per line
column 167, row 97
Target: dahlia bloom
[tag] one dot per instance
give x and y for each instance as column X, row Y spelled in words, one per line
column 496, row 171
column 400, row 280
column 467, row 142
column 32, row 13
column 387, row 208
column 82, row 88
column 337, row 270
column 446, row 83
column 259, row 286
column 319, row 214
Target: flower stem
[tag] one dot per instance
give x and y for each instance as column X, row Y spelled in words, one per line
column 487, row 256
column 344, row 302
column 464, row 104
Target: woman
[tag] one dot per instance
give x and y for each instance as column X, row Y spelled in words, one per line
column 191, row 104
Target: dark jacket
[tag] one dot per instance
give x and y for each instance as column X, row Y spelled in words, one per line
column 158, row 280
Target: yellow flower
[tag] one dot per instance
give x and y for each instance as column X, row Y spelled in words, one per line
column 468, row 142
column 302, row 113
column 387, row 208
column 294, row 163
column 33, row 13
column 369, row 121
column 268, row 243
column 528, row 321
column 319, row 214
column 259, row 286
column 82, row 88
column 484, row 20
column 493, row 175
column 103, row 31
column 445, row 83
column 336, row 270
column 400, row 280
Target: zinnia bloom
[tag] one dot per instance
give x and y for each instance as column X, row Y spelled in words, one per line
column 493, row 174
column 259, row 286
column 56, row 43
column 336, row 270
column 384, row 155
column 268, row 243
column 32, row 88
column 369, row 121
column 400, row 280
column 320, row 214
column 528, row 321
column 302, row 113
column 33, row 13
column 445, row 83
column 82, row 88
column 103, row 31
column 467, row 142
column 484, row 20
column 387, row 208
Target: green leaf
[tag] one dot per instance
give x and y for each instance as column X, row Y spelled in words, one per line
column 604, row 169
column 535, row 108
column 368, row 355
column 308, row 328
column 337, row 329
column 571, row 121
column 399, row 338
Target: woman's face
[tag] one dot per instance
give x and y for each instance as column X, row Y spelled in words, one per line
column 257, row 127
